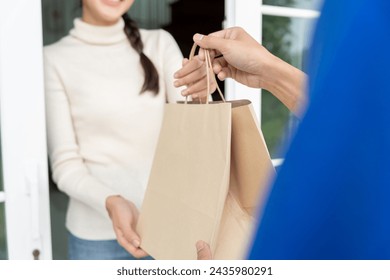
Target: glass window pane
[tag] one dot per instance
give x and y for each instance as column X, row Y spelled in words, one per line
column 301, row 4
column 3, row 243
column 289, row 39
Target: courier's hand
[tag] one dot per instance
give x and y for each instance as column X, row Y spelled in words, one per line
column 243, row 58
column 239, row 56
column 124, row 216
column 203, row 250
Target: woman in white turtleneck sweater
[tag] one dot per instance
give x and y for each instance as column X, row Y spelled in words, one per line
column 106, row 86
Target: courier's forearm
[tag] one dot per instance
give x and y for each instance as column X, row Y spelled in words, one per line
column 288, row 84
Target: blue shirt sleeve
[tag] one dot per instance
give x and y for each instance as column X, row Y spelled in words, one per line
column 331, row 199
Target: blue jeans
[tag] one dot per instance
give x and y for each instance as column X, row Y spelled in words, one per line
column 82, row 249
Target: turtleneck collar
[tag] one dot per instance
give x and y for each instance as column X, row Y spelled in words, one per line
column 99, row 35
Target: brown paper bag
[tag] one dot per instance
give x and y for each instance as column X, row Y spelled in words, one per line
column 210, row 170
column 250, row 171
column 189, row 181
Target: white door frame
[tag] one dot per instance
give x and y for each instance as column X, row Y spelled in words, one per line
column 23, row 131
column 236, row 14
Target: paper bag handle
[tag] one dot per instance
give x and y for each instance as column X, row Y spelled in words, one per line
column 209, row 68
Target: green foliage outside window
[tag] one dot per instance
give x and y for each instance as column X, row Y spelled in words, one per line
column 287, row 38
column 275, row 116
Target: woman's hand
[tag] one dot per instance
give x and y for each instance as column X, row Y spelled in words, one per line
column 124, row 216
column 193, row 75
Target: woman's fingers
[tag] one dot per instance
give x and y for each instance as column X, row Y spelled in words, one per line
column 194, row 76
column 199, row 88
column 191, row 77
column 131, row 243
column 136, row 252
column 188, row 68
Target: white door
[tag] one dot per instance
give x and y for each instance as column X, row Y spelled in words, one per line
column 24, row 196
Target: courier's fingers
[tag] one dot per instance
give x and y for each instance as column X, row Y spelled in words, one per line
column 203, row 251
column 224, row 73
column 211, row 42
column 218, row 64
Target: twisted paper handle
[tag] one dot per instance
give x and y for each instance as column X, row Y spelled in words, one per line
column 209, row 68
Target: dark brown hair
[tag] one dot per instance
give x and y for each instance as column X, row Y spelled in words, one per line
column 151, row 75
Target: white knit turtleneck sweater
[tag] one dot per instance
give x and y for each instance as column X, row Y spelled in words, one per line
column 101, row 132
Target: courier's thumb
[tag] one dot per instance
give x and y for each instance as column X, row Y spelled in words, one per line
column 203, row 251
column 210, row 42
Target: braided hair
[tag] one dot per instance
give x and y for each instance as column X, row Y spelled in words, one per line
column 151, row 75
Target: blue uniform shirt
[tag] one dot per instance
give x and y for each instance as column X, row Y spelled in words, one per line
column 331, row 199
